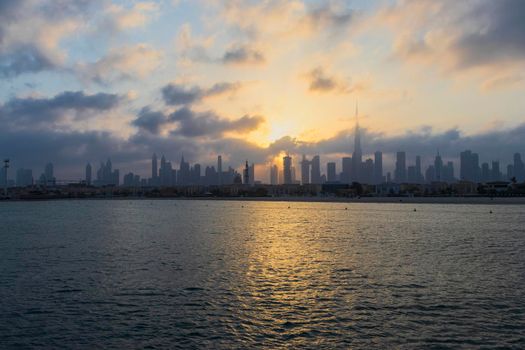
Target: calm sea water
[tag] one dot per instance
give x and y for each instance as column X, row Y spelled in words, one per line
column 215, row 274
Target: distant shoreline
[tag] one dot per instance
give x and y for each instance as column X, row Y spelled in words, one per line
column 377, row 200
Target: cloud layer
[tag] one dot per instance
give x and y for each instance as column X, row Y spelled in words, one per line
column 84, row 80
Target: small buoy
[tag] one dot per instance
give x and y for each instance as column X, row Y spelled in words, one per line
column 242, row 206
column 288, row 207
column 346, row 208
column 415, row 209
column 490, row 212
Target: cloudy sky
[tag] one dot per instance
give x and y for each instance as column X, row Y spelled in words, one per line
column 83, row 80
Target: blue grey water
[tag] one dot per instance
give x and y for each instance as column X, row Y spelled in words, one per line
column 232, row 274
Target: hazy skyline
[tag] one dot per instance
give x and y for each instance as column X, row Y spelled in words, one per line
column 86, row 80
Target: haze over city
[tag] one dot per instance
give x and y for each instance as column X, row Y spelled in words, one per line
column 86, row 81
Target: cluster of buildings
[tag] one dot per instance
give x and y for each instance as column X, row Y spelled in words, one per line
column 369, row 171
column 164, row 174
column 353, row 169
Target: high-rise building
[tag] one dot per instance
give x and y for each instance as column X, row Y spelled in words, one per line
column 401, row 170
column 448, row 172
column 88, row 174
column 131, row 180
column 305, row 171
column 378, row 167
column 519, row 167
column 106, row 176
column 315, row 177
column 219, row 169
column 367, row 171
column 195, row 172
column 331, row 172
column 49, row 174
column 485, row 172
column 346, row 165
column 412, row 174
column 252, row 174
column 419, row 172
column 167, row 175
column 274, row 175
column 183, row 176
column 469, row 166
column 154, row 169
column 438, row 168
column 510, row 172
column 287, row 170
column 496, row 173
column 430, row 174
column 246, row 174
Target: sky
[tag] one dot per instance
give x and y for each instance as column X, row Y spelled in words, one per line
column 84, row 80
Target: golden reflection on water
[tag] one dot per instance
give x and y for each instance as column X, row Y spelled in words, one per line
column 291, row 271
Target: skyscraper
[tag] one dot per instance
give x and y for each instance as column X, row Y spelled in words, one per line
column 219, row 169
column 485, row 172
column 346, row 165
column 154, row 169
column 274, row 175
column 438, row 168
column 331, row 172
column 252, row 174
column 287, row 170
column 496, row 173
column 401, row 168
column 88, row 174
column 305, row 171
column 357, row 156
column 246, row 174
column 469, row 166
column 419, row 173
column 519, row 168
column 367, row 171
column 49, row 174
column 315, row 177
column 378, row 167
column 183, row 177
column 412, row 174
column 448, row 173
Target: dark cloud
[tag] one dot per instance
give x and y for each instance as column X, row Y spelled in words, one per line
column 320, row 82
column 177, row 94
column 149, row 120
column 22, row 47
column 188, row 123
column 243, row 54
column 191, row 124
column 26, row 59
column 500, row 34
column 459, row 34
column 31, row 112
column 328, row 15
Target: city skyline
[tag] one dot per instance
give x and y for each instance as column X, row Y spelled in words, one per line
column 308, row 171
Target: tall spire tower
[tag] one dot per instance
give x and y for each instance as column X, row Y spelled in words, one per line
column 357, row 137
column 357, row 156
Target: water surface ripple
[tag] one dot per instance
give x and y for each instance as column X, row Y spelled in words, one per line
column 219, row 274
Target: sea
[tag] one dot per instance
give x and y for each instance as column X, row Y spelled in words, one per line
column 212, row 274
